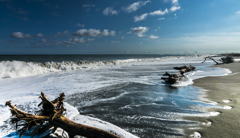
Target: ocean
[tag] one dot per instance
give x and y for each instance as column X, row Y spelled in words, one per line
column 123, row 94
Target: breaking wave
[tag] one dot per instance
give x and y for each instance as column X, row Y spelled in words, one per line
column 13, row 69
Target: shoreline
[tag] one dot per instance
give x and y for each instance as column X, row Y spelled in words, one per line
column 219, row 88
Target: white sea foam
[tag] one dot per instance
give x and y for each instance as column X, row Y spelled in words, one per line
column 196, row 135
column 214, row 113
column 208, row 114
column 237, row 60
column 12, row 69
column 226, row 101
column 227, row 107
column 185, row 80
column 207, row 123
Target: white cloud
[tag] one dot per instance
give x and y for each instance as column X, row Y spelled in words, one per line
column 174, row 8
column 93, row 32
column 238, row 12
column 139, row 31
column 61, row 33
column 76, row 40
column 85, row 32
column 73, row 41
column 88, row 5
column 39, row 35
column 161, row 18
column 109, row 11
column 89, row 40
column 129, row 32
column 153, row 37
column 159, row 12
column 44, row 40
column 141, row 17
column 135, row 6
column 174, row 2
column 80, row 25
column 106, row 32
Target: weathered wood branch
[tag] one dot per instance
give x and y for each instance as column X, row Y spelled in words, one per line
column 211, row 59
column 173, row 78
column 223, row 60
column 51, row 115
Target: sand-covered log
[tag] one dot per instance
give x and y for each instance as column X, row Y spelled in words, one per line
column 51, row 115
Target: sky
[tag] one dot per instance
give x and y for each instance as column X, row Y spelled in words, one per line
column 119, row 26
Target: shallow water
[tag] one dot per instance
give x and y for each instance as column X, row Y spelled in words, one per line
column 124, row 91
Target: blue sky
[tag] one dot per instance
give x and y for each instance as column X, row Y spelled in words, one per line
column 119, row 26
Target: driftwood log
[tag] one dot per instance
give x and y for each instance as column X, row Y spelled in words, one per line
column 174, row 78
column 223, row 60
column 51, row 116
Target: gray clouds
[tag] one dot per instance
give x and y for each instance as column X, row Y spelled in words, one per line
column 24, row 36
column 80, row 25
column 58, row 34
column 139, row 31
column 39, row 35
column 76, row 40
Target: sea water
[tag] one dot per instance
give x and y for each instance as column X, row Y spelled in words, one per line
column 122, row 94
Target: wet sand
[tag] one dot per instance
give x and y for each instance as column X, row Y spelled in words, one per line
column 227, row 123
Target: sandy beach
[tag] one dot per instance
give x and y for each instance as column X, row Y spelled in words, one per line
column 227, row 123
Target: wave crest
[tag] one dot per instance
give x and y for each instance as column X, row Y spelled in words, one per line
column 13, row 69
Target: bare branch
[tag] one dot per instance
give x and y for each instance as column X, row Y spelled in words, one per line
column 51, row 116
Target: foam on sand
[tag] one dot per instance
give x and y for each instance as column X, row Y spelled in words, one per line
column 214, row 113
column 207, row 123
column 195, row 135
column 227, row 107
column 226, row 101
